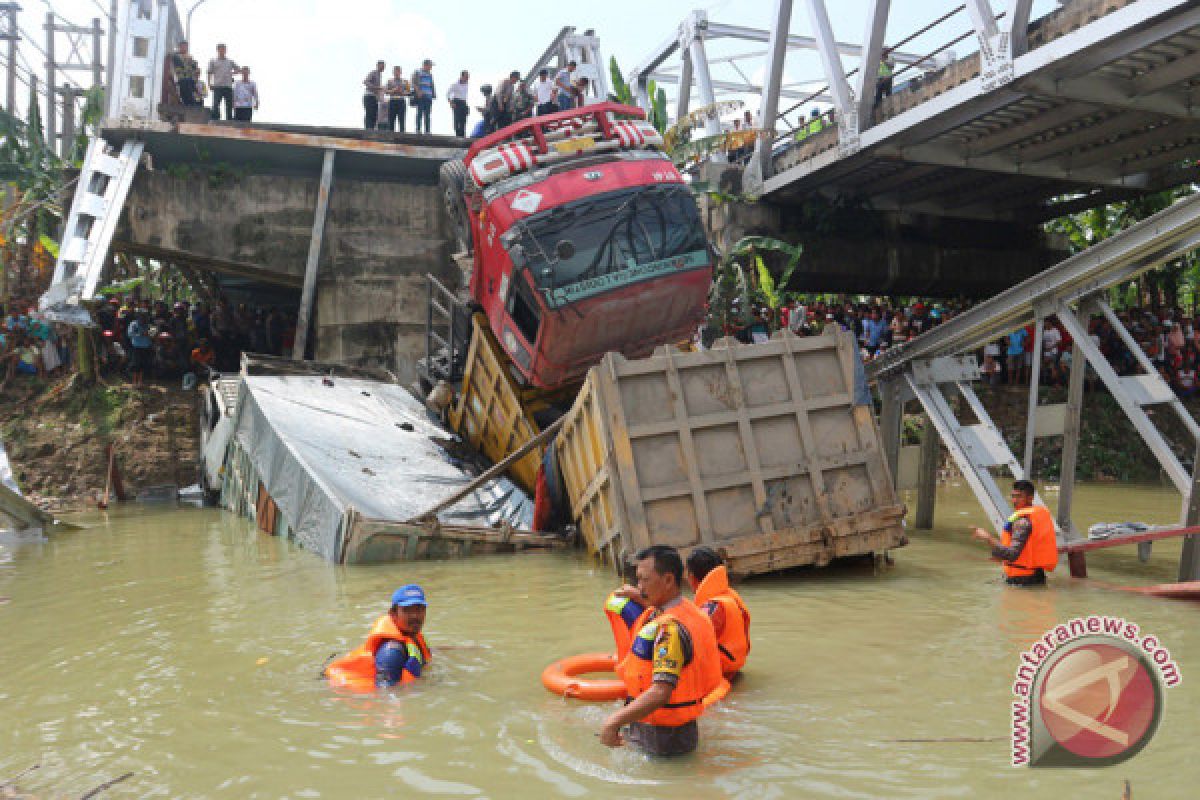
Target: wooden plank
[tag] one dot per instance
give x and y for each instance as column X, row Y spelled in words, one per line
column 1087, row 545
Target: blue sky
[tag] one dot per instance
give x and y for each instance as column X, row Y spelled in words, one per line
column 309, row 56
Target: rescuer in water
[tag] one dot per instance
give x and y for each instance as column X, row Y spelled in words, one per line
column 394, row 652
column 707, row 576
column 672, row 664
column 1027, row 548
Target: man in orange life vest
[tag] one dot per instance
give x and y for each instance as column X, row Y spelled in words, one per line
column 672, row 664
column 401, row 653
column 1027, row 548
column 730, row 619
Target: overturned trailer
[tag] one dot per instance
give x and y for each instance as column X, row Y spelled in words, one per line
column 347, row 466
column 768, row 453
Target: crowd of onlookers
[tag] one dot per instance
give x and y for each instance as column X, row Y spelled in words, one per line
column 32, row 345
column 1168, row 338
column 228, row 84
column 386, row 101
column 138, row 339
column 143, row 338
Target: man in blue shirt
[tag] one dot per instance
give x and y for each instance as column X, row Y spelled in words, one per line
column 1016, row 354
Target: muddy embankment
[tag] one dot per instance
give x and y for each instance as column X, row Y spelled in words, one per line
column 57, row 439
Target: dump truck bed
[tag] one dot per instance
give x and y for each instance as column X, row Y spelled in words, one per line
column 759, row 451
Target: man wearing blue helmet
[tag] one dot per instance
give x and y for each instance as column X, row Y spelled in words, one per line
column 402, row 652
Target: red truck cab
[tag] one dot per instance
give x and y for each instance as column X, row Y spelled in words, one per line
column 586, row 240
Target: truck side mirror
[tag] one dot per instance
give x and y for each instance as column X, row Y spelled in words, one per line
column 517, row 254
column 564, row 250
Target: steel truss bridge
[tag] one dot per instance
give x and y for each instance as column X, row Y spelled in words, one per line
column 1089, row 104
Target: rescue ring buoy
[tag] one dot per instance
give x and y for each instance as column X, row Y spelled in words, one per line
column 562, row 677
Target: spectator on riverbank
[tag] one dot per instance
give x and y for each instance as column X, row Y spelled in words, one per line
column 220, row 79
column 245, row 97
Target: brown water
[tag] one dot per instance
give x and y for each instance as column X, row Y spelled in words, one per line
column 185, row 647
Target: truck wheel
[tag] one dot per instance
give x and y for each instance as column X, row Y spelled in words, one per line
column 452, row 180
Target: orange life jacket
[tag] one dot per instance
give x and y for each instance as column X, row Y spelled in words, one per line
column 1041, row 548
column 701, row 675
column 356, row 669
column 734, row 641
column 617, row 609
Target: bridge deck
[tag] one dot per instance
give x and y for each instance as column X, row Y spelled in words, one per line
column 1101, row 106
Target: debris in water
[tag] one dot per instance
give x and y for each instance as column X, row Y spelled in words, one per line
column 106, row 785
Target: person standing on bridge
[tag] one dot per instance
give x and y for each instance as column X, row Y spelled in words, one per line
column 1027, row 547
column 245, row 97
column 424, row 93
column 457, row 94
column 373, row 91
column 883, row 83
column 564, row 87
column 543, row 92
column 220, row 77
column 186, row 72
column 397, row 89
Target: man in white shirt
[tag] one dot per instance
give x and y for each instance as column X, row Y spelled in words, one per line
column 543, row 93
column 457, row 95
column 220, row 79
column 245, row 97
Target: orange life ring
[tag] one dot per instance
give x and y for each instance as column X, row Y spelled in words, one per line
column 562, row 677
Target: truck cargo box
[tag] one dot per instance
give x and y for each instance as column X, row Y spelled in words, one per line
column 758, row 451
column 494, row 413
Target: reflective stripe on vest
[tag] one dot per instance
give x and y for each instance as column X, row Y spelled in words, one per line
column 622, row 614
column 1041, row 548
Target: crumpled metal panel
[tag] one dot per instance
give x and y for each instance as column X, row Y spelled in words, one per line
column 324, row 446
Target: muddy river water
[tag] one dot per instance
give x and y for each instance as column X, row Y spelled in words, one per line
column 185, row 647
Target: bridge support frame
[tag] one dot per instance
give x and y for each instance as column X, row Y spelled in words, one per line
column 979, row 449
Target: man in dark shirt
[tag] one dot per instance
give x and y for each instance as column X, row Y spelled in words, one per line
column 1028, row 546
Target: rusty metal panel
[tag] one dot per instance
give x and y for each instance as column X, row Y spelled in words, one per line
column 758, row 451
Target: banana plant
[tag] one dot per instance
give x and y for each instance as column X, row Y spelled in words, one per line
column 732, row 283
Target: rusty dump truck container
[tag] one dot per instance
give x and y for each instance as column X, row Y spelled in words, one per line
column 758, row 451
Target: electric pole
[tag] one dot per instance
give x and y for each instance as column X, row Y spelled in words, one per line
column 10, row 34
column 83, row 54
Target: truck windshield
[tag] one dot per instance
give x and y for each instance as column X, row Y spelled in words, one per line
column 611, row 233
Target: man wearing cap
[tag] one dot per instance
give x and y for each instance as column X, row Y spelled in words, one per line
column 401, row 652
